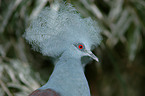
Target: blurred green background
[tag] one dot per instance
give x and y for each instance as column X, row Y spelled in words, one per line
column 121, row 70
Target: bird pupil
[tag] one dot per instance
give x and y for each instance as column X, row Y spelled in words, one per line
column 80, row 46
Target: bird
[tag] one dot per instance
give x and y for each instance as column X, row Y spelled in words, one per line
column 62, row 33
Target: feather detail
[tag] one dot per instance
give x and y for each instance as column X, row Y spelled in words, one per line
column 53, row 31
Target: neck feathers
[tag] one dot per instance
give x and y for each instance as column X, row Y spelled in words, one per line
column 68, row 78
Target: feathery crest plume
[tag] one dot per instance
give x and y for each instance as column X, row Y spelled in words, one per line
column 53, row 31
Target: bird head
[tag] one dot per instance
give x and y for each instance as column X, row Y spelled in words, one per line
column 56, row 31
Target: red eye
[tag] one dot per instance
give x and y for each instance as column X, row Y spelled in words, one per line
column 80, row 46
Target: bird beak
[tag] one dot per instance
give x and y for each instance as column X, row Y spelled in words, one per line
column 90, row 54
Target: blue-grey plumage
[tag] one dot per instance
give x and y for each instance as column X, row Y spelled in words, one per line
column 65, row 34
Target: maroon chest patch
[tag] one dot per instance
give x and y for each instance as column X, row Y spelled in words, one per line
column 46, row 92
